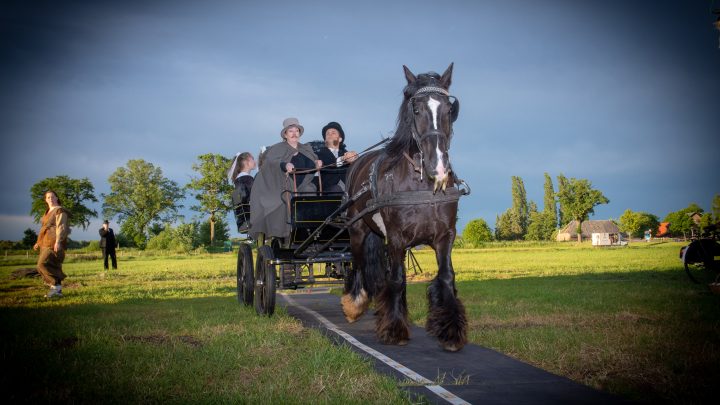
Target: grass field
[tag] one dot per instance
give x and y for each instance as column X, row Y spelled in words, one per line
column 169, row 329
column 623, row 320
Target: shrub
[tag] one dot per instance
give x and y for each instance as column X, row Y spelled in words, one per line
column 476, row 233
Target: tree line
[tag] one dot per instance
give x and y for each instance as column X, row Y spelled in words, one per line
column 576, row 200
column 146, row 203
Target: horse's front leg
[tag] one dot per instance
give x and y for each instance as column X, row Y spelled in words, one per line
column 355, row 300
column 392, row 325
column 446, row 316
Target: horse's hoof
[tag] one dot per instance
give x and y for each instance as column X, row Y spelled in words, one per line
column 451, row 347
column 396, row 338
column 354, row 308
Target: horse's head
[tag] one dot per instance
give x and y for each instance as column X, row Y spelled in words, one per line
column 430, row 112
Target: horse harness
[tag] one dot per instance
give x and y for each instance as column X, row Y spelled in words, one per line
column 399, row 198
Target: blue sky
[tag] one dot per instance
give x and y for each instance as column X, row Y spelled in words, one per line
column 623, row 93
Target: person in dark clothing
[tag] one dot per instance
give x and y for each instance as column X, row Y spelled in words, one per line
column 108, row 244
column 239, row 176
column 334, row 153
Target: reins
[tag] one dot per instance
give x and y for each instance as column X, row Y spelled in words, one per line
column 306, row 171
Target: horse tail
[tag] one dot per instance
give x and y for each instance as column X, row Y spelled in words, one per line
column 375, row 264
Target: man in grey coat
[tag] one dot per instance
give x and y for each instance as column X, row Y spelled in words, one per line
column 268, row 201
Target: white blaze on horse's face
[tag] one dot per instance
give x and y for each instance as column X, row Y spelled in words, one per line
column 433, row 105
column 440, row 169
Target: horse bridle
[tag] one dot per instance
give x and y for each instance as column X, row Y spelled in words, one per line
column 418, row 139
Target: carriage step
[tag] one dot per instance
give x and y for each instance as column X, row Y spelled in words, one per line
column 306, row 290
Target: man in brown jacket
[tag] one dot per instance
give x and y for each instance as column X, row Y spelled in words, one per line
column 52, row 242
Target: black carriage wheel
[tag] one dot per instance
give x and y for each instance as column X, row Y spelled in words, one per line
column 700, row 261
column 245, row 277
column 265, row 275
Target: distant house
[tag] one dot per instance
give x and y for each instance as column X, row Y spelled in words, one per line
column 589, row 227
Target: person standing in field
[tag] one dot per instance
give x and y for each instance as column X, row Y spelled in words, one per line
column 52, row 242
column 108, row 244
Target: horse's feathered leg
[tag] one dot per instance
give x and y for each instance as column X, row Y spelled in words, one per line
column 362, row 284
column 392, row 325
column 446, row 315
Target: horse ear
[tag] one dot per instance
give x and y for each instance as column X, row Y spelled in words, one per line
column 409, row 75
column 446, row 78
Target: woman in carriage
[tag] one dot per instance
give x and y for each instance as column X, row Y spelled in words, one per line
column 282, row 168
column 239, row 176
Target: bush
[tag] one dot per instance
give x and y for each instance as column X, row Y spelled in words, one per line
column 476, row 233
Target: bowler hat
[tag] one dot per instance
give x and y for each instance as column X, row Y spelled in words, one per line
column 291, row 122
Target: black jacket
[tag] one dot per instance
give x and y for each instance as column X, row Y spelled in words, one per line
column 107, row 238
column 332, row 175
column 241, row 193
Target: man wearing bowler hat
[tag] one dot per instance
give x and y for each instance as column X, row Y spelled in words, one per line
column 108, row 244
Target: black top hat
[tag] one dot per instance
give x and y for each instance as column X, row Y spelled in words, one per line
column 336, row 126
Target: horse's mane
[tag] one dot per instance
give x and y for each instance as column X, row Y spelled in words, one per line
column 402, row 139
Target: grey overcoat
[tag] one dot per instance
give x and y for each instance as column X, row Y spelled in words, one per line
column 268, row 203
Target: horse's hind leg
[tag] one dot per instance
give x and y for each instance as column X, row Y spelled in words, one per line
column 446, row 316
column 392, row 325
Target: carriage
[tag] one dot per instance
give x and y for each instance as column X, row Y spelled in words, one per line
column 315, row 253
column 400, row 196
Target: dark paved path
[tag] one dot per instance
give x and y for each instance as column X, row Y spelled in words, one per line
column 475, row 374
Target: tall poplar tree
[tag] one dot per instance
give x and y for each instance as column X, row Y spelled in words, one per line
column 563, row 216
column 519, row 208
column 549, row 205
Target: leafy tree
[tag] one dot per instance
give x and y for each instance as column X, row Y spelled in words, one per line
column 680, row 221
column 124, row 240
column 635, row 223
column 715, row 208
column 222, row 232
column 161, row 240
column 156, row 228
column 507, row 226
column 139, row 195
column 212, row 189
column 28, row 241
column 579, row 200
column 542, row 226
column 549, row 204
column 73, row 193
column 183, row 238
column 476, row 232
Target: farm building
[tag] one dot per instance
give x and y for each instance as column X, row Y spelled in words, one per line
column 568, row 233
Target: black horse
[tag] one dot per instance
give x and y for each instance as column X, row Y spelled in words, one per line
column 405, row 195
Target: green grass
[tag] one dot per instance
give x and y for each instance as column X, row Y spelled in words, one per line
column 167, row 331
column 623, row 320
